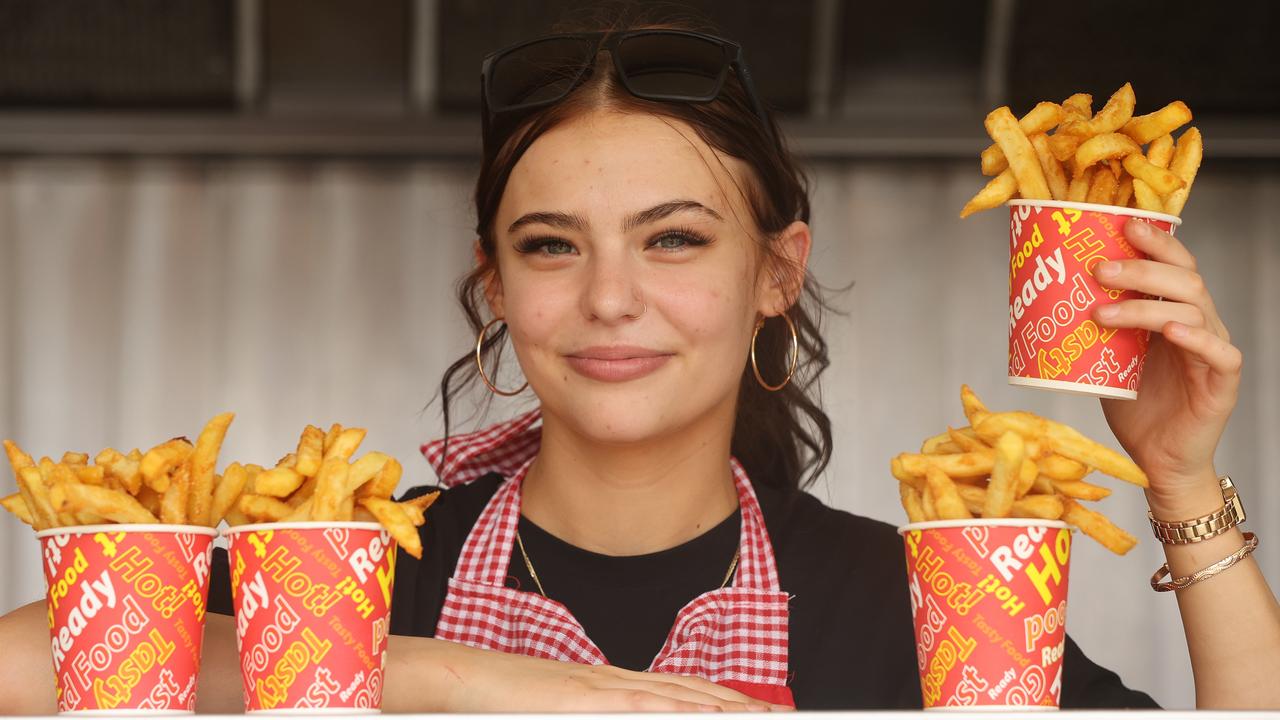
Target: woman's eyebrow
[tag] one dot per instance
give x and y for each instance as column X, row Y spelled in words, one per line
column 564, row 221
column 575, row 222
column 658, row 212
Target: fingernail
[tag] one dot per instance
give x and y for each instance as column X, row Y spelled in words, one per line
column 1139, row 228
column 1107, row 312
column 1176, row 330
column 1108, row 270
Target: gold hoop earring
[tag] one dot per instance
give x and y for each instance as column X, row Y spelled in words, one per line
column 480, row 363
column 795, row 355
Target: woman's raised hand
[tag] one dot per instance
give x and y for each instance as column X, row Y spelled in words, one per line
column 1192, row 373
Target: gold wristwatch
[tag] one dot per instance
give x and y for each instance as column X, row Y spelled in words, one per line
column 1202, row 528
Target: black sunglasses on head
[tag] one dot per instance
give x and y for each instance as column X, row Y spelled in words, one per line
column 662, row 65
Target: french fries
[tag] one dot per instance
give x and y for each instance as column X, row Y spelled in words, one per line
column 1146, row 128
column 1003, row 127
column 203, row 461
column 1185, row 164
column 1094, row 158
column 1103, row 147
column 321, row 483
column 176, row 482
column 173, row 482
column 1054, row 173
column 1041, row 119
column 1012, row 464
column 912, row 503
column 997, row 192
column 1112, row 117
column 397, row 522
column 1005, row 472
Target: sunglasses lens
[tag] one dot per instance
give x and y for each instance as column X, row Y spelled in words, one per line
column 540, row 72
column 666, row 65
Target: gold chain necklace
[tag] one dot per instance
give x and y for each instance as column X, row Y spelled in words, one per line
column 733, row 565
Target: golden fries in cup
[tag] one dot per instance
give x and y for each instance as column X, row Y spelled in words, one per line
column 1012, row 465
column 136, row 521
column 318, row 482
column 173, row 483
column 176, row 483
column 1095, row 158
column 319, row 525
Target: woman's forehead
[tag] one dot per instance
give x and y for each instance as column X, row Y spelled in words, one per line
column 607, row 165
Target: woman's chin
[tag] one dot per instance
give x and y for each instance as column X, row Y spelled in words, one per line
column 618, row 422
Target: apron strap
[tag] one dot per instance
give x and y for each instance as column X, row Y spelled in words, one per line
column 487, row 550
column 757, row 568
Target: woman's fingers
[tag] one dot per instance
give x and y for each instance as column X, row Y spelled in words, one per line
column 1154, row 278
column 1162, row 280
column 685, row 688
column 1148, row 314
column 1219, row 354
column 619, row 700
column 679, row 693
column 1158, row 245
column 704, row 686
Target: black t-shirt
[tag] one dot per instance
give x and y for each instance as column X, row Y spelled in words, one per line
column 851, row 642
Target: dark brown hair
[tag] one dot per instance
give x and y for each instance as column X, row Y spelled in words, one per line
column 782, row 438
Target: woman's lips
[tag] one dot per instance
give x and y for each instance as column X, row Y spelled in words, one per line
column 616, row 364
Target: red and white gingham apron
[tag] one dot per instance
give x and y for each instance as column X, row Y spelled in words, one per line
column 735, row 636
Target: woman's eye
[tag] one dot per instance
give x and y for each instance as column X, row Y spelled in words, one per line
column 544, row 246
column 677, row 241
column 557, row 247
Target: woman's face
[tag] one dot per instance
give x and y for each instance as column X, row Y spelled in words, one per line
column 628, row 275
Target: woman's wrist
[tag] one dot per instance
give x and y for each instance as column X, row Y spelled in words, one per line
column 1184, row 498
column 1195, row 497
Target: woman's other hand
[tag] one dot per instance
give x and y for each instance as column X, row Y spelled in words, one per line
column 1191, row 378
column 465, row 679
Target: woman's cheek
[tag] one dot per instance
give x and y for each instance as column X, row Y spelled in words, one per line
column 704, row 312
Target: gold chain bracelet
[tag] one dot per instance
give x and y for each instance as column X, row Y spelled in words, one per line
column 1250, row 544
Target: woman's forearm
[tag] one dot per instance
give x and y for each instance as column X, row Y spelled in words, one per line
column 1232, row 620
column 426, row 675
column 422, row 674
column 26, row 669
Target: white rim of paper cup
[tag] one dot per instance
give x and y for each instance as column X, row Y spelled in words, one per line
column 992, row 708
column 984, row 522
column 1094, row 207
column 302, row 525
column 317, row 711
column 128, row 527
column 126, row 712
column 1075, row 388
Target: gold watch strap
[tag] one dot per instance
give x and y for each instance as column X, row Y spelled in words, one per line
column 1199, row 529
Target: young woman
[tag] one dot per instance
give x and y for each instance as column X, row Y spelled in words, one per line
column 642, row 249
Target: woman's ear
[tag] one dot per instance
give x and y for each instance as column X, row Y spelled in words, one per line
column 783, row 278
column 492, row 281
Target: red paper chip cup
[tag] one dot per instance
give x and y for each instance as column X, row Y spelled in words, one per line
column 1054, row 342
column 313, row 610
column 989, row 603
column 126, row 615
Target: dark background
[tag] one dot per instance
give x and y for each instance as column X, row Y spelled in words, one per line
column 906, row 78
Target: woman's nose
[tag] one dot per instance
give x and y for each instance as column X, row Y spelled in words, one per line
column 612, row 291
